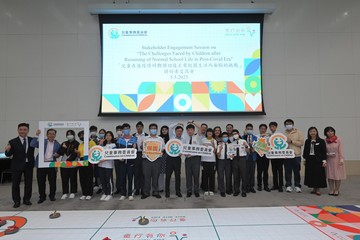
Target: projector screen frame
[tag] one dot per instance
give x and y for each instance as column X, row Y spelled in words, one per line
column 185, row 19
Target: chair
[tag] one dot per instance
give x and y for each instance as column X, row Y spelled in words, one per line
column 7, row 171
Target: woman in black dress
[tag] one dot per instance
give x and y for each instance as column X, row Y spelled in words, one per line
column 315, row 161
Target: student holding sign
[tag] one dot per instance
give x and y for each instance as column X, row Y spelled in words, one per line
column 209, row 163
column 224, row 165
column 106, row 168
column 153, row 147
column 69, row 153
column 192, row 162
column 262, row 162
column 295, row 139
column 251, row 157
column 126, row 167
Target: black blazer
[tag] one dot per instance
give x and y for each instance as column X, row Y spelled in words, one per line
column 19, row 155
column 319, row 149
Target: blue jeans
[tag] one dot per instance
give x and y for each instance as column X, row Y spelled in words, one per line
column 292, row 165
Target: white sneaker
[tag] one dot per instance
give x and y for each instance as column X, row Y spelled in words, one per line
column 297, row 189
column 122, row 198
column 82, row 197
column 211, row 193
column 103, row 197
column 131, row 198
column 88, row 198
column 108, row 197
column 289, row 189
column 72, row 195
column 64, row 196
column 206, row 193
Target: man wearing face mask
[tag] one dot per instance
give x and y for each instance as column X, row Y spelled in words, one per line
column 93, row 134
column 85, row 173
column 69, row 153
column 239, row 164
column 152, row 169
column 119, row 132
column 251, row 157
column 295, row 139
column 125, row 167
column 139, row 176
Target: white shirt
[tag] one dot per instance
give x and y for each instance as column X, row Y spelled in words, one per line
column 208, row 142
column 27, row 145
column 222, row 151
column 108, row 163
column 242, row 149
column 139, row 140
column 49, row 152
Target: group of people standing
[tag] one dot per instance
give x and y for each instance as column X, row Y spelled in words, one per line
column 235, row 169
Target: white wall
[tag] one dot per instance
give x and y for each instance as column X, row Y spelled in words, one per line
column 50, row 66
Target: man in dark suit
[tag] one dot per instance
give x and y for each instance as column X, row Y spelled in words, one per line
column 22, row 162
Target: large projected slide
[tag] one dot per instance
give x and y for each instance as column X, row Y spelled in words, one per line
column 181, row 68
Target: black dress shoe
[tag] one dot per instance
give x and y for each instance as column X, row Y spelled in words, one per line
column 157, row 195
column 179, row 194
column 243, row 194
column 281, row 189
column 41, row 201
column 52, row 199
column 223, row 194
column 274, row 188
column 137, row 192
column 252, row 190
column 259, row 189
column 144, row 196
column 28, row 203
column 188, row 195
column 197, row 194
column 236, row 194
column 16, row 205
column 229, row 192
column 267, row 189
column 167, row 195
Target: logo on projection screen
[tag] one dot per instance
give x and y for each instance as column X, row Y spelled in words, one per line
column 114, row 33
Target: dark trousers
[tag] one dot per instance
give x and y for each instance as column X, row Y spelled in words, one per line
column 151, row 171
column 278, row 172
column 126, row 176
column 69, row 175
column 86, row 179
column 192, row 172
column 209, row 176
column 16, row 179
column 41, row 174
column 262, row 166
column 117, row 165
column 239, row 171
column 292, row 165
column 138, row 172
column 173, row 164
column 106, row 180
column 96, row 175
column 224, row 173
column 250, row 166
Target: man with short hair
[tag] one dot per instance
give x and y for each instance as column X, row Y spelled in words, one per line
column 22, row 162
column 276, row 165
column 51, row 146
column 152, row 169
column 295, row 139
column 192, row 162
column 138, row 170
